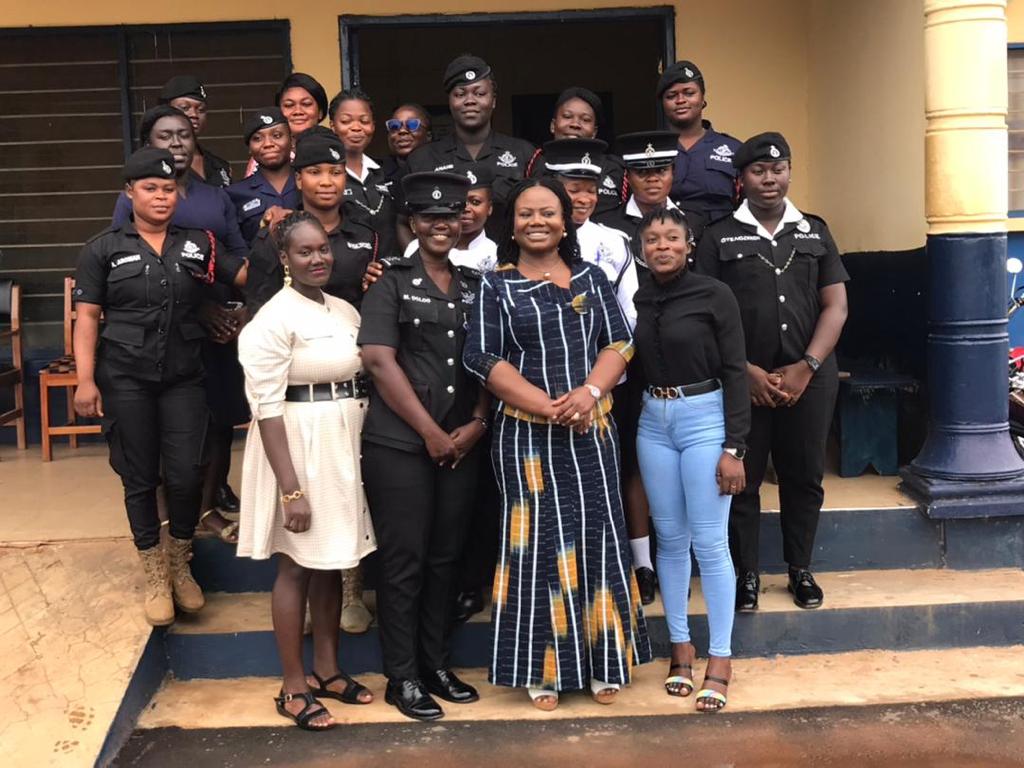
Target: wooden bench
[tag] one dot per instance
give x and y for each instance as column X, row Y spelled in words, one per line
column 61, row 373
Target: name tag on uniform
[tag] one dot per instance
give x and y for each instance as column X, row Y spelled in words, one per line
column 417, row 299
column 361, row 244
column 252, row 205
column 126, row 260
column 740, row 239
column 448, row 167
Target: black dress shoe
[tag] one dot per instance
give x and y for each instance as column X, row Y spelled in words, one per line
column 748, row 589
column 445, row 685
column 225, row 500
column 646, row 581
column 468, row 604
column 806, row 592
column 412, row 700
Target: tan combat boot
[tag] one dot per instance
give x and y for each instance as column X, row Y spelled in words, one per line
column 355, row 616
column 187, row 594
column 158, row 605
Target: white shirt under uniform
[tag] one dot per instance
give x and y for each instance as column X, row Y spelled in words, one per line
column 609, row 249
column 481, row 254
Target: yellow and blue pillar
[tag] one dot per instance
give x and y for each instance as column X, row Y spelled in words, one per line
column 968, row 466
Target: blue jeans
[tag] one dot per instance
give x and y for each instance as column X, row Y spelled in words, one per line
column 679, row 443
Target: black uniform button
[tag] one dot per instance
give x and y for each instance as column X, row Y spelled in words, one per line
column 164, row 306
column 161, row 331
column 163, row 281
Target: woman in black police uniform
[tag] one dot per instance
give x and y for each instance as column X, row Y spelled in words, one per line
column 320, row 176
column 788, row 277
column 472, row 96
column 145, row 278
column 367, row 199
column 704, row 179
column 420, row 444
column 186, row 93
column 578, row 114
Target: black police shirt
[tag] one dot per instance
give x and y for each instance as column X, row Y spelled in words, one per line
column 611, row 184
column 353, row 246
column 688, row 330
column 777, row 280
column 369, row 202
column 216, row 170
column 406, row 310
column 151, row 301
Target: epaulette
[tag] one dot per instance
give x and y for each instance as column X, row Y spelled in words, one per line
column 109, row 230
column 816, row 218
column 470, row 272
column 396, row 262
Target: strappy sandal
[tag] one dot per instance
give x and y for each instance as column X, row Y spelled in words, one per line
column 307, row 714
column 684, row 681
column 228, row 534
column 543, row 699
column 349, row 696
column 707, row 695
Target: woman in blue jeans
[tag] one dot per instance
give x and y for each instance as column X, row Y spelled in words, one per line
column 691, row 441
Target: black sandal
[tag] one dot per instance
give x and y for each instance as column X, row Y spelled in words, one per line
column 349, row 696
column 307, row 714
column 708, row 695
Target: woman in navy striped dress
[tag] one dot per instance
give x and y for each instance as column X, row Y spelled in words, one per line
column 549, row 340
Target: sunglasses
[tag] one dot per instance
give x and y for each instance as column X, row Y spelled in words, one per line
column 412, row 125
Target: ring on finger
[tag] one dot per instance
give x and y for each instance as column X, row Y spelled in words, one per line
column 575, row 417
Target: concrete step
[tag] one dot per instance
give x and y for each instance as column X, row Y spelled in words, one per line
column 872, row 609
column 857, row 678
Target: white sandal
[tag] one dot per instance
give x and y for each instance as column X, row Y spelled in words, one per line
column 543, row 699
column 603, row 693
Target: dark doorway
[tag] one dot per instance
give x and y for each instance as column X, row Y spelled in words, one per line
column 619, row 53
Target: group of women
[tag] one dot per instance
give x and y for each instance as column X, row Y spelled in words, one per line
column 487, row 363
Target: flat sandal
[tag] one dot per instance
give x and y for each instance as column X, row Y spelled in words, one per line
column 351, row 693
column 307, row 714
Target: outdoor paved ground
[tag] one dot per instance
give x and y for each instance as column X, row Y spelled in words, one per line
column 987, row 733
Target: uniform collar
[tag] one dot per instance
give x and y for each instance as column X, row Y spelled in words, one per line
column 634, row 212
column 420, row 272
column 258, row 181
column 493, row 142
column 369, row 165
column 477, row 242
column 791, row 215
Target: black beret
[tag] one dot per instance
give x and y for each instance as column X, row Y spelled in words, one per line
column 149, row 163
column 584, row 94
column 153, row 114
column 765, row 147
column 264, row 118
column 464, row 69
column 479, row 175
column 182, row 85
column 575, row 158
column 316, row 149
column 648, row 149
column 432, row 192
column 680, row 72
column 307, row 83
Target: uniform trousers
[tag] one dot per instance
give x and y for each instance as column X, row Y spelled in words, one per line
column 149, row 426
column 480, row 553
column 421, row 513
column 795, row 437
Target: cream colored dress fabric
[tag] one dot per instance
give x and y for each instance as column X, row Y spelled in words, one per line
column 294, row 340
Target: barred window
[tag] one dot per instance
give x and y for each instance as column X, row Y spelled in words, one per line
column 1015, row 120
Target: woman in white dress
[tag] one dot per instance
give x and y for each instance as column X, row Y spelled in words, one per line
column 302, row 495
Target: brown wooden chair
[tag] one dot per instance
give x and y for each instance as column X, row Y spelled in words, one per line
column 61, row 373
column 12, row 376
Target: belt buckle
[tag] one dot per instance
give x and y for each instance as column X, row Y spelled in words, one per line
column 673, row 393
column 334, row 391
column 312, row 392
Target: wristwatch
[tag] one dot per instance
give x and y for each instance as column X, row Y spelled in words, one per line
column 593, row 390
column 737, row 453
column 812, row 362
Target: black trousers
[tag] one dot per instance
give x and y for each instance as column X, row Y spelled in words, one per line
column 795, row 437
column 152, row 425
column 480, row 553
column 421, row 513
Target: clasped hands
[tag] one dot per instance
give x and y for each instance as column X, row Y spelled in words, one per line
column 782, row 386
column 575, row 409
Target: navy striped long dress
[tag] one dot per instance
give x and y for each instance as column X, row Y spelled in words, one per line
column 566, row 606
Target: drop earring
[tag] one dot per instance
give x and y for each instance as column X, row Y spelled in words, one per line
column 287, row 276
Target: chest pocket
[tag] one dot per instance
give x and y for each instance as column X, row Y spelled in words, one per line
column 806, row 258
column 720, row 175
column 126, row 285
column 417, row 317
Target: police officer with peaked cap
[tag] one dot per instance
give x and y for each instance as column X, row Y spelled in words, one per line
column 472, row 96
column 354, row 245
column 272, row 184
column 141, row 371
column 422, row 444
column 186, row 93
column 788, row 277
column 703, row 178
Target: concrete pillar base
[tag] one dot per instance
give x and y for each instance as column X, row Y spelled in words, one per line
column 942, row 499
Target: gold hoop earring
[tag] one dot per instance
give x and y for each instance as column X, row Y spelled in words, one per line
column 287, row 276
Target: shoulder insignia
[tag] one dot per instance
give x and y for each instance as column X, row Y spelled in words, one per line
column 475, row 274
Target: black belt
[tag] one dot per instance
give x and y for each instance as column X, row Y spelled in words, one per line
column 686, row 390
column 332, row 390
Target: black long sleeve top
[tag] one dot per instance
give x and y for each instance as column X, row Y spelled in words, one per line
column 689, row 330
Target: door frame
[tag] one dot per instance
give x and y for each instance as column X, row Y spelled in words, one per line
column 349, row 26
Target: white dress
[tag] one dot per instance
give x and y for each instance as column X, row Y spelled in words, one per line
column 294, row 340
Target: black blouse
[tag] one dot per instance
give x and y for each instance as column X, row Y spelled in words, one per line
column 688, row 330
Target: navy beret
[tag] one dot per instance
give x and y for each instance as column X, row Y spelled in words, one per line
column 264, row 118
column 680, row 72
column 317, row 149
column 465, row 69
column 182, row 85
column 765, row 147
column 583, row 94
column 149, row 163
